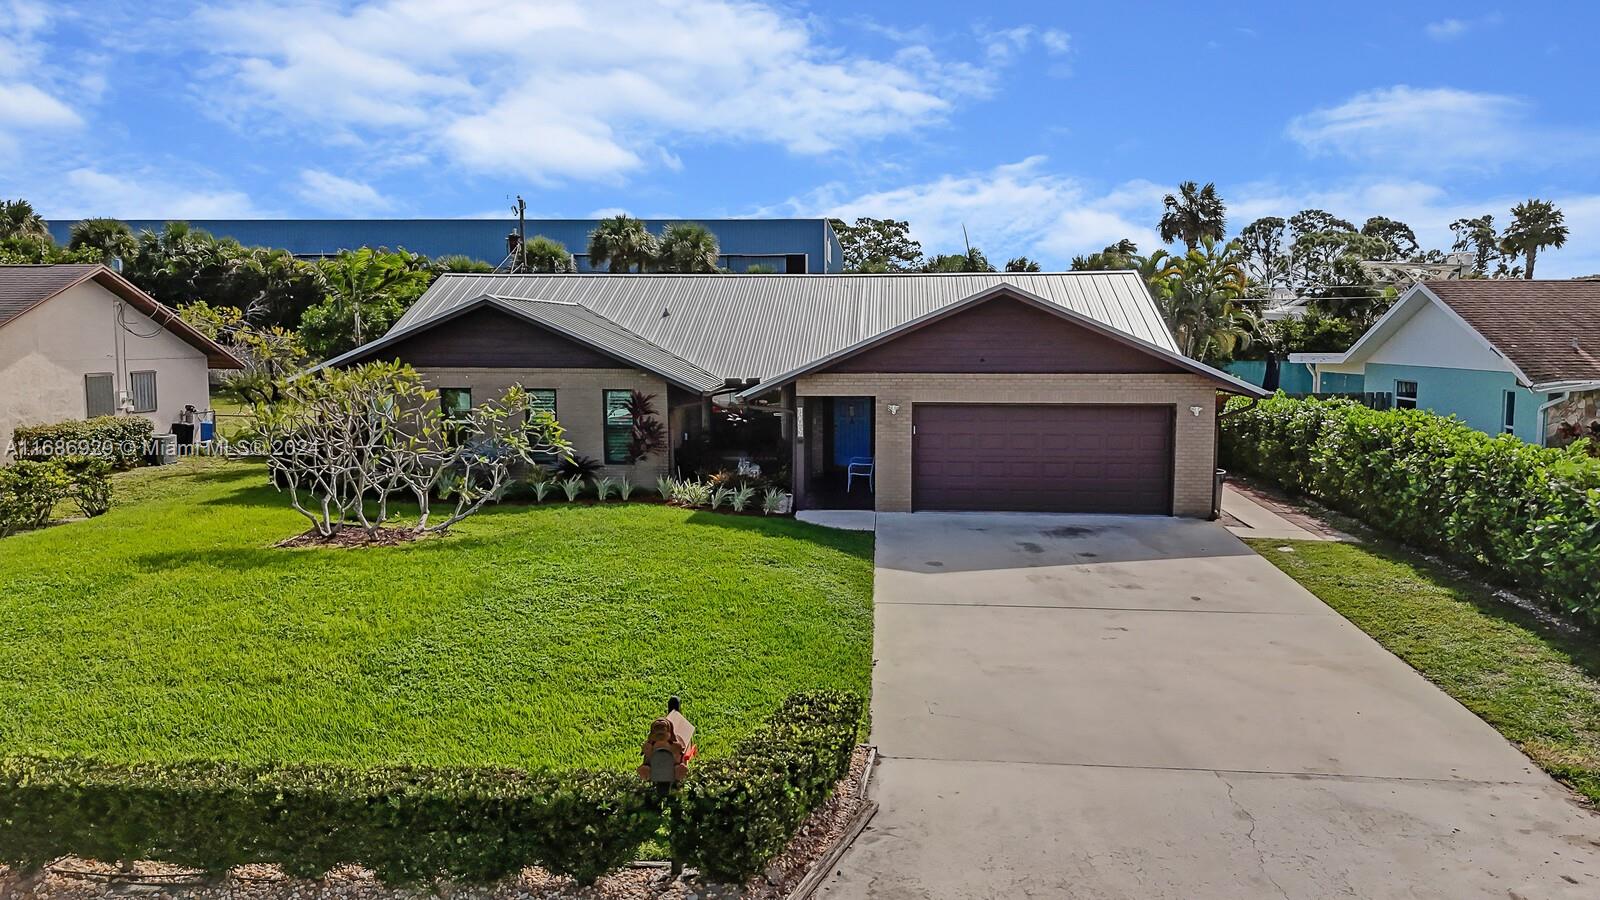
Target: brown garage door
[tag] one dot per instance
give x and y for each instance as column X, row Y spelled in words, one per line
column 1058, row 458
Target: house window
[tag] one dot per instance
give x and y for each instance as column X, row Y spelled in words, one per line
column 99, row 394
column 542, row 400
column 144, row 391
column 619, row 427
column 1405, row 395
column 455, row 403
column 1508, row 422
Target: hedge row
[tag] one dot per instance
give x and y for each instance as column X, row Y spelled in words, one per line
column 734, row 814
column 414, row 824
column 119, row 440
column 29, row 490
column 1530, row 513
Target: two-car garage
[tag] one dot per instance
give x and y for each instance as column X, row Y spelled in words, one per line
column 1088, row 458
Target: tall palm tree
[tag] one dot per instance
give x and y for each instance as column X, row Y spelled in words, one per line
column 111, row 237
column 17, row 219
column 1199, row 294
column 688, row 248
column 1195, row 212
column 622, row 244
column 1535, row 225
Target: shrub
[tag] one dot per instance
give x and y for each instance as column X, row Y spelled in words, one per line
column 720, row 496
column 572, row 487
column 734, row 814
column 407, row 824
column 603, row 487
column 91, row 484
column 624, row 488
column 774, row 501
column 741, row 497
column 119, row 440
column 1529, row 513
column 29, row 490
column 691, row 494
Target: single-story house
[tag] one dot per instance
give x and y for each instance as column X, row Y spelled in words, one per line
column 79, row 341
column 1003, row 391
column 1503, row 355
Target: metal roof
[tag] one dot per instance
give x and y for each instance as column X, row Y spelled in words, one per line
column 758, row 326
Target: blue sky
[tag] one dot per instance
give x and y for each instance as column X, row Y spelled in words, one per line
column 1047, row 129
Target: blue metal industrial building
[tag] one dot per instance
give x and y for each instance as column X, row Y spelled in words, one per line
column 781, row 245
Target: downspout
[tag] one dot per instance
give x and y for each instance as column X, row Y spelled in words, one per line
column 1544, row 411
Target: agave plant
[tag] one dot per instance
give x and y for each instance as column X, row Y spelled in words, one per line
column 572, row 487
column 665, row 487
column 603, row 487
column 773, row 501
column 624, row 488
column 741, row 497
column 720, row 496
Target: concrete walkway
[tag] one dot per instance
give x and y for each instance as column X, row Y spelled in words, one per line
column 1102, row 706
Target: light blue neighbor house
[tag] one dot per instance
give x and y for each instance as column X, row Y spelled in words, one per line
column 1503, row 355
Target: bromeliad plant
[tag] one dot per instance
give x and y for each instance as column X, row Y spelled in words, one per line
column 342, row 443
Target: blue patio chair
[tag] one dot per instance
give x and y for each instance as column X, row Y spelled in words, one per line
column 859, row 466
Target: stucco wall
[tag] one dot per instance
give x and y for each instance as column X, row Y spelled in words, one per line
column 46, row 352
column 1473, row 396
column 580, row 397
column 1195, row 440
column 1435, row 338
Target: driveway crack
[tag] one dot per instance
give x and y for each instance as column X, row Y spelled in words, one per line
column 1261, row 855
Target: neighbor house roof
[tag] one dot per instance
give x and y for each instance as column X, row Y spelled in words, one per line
column 569, row 319
column 1547, row 331
column 1224, row 380
column 753, row 327
column 24, row 287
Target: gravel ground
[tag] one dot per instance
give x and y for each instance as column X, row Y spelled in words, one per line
column 74, row 879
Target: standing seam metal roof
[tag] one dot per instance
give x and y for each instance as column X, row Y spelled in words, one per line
column 757, row 326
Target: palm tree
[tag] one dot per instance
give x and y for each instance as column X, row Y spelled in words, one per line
column 111, row 237
column 1198, row 294
column 17, row 219
column 1535, row 225
column 622, row 244
column 543, row 254
column 1196, row 212
column 688, row 248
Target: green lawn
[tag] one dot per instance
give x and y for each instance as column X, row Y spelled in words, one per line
column 532, row 636
column 1538, row 685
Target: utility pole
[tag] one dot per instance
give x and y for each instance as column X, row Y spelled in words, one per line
column 521, row 209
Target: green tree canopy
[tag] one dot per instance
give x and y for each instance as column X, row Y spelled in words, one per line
column 364, row 293
column 18, row 219
column 971, row 261
column 878, row 245
column 1192, row 214
column 1199, row 294
column 543, row 254
column 1124, row 254
column 687, row 248
column 111, row 238
column 622, row 244
column 1535, row 225
column 1021, row 264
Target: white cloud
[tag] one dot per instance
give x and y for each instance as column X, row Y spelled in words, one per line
column 25, row 106
column 29, row 101
column 1015, row 209
column 568, row 89
column 140, row 195
column 1056, row 43
column 1434, row 128
column 345, row 196
column 1452, row 28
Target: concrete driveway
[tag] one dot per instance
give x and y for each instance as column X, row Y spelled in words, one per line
column 1106, row 706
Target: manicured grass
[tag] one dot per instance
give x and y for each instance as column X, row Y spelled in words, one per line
column 1537, row 684
column 532, row 636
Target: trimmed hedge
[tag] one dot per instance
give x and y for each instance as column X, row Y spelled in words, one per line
column 1530, row 513
column 733, row 815
column 120, row 440
column 472, row 825
column 406, row 824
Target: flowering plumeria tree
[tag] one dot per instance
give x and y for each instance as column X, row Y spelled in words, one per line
column 343, row 442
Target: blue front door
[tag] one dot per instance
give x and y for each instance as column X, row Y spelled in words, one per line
column 852, row 428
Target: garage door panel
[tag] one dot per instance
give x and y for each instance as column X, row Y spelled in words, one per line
column 1068, row 458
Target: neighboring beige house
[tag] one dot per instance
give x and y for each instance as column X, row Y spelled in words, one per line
column 81, row 341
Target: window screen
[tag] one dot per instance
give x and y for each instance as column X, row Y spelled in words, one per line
column 1509, row 421
column 619, row 426
column 144, row 391
column 100, row 395
column 542, row 400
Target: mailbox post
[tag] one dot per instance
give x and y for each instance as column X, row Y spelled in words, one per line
column 668, row 749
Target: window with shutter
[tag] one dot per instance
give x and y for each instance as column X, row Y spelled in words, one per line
column 143, row 385
column 619, row 426
column 100, row 394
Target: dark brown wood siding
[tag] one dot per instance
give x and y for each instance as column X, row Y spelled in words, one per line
column 1004, row 336
column 1061, row 458
column 491, row 339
